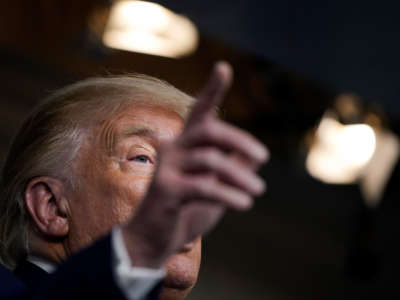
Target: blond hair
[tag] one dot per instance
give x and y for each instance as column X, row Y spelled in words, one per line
column 50, row 139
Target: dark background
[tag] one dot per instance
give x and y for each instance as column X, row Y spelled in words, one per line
column 291, row 58
column 353, row 45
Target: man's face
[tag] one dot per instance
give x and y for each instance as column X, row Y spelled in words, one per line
column 115, row 167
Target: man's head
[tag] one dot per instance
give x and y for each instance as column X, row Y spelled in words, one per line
column 82, row 162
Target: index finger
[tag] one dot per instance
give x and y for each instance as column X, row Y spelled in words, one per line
column 212, row 93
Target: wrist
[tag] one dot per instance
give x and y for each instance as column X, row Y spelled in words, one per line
column 140, row 249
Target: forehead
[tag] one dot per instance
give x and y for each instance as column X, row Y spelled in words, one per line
column 151, row 121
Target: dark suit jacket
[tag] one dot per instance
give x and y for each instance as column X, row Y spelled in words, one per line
column 10, row 286
column 87, row 275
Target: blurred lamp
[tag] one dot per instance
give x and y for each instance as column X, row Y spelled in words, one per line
column 340, row 152
column 145, row 27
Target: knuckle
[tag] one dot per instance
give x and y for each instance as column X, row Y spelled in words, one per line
column 211, row 157
column 208, row 157
column 207, row 128
column 204, row 185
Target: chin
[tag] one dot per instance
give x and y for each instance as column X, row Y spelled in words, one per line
column 173, row 294
column 182, row 272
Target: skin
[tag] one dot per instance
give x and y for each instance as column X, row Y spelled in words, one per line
column 117, row 166
column 167, row 184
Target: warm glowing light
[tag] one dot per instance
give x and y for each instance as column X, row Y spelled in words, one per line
column 146, row 27
column 341, row 151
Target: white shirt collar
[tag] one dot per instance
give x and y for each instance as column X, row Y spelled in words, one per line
column 42, row 263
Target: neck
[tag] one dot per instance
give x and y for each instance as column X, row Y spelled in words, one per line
column 52, row 252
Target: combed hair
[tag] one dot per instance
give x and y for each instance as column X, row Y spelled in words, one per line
column 50, row 139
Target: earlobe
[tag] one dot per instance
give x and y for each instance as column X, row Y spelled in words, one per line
column 48, row 206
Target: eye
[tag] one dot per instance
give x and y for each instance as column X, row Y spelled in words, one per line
column 141, row 159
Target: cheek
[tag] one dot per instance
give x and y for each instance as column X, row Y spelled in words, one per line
column 109, row 201
column 126, row 197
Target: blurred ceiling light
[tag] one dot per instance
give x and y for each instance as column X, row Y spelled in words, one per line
column 340, row 152
column 150, row 28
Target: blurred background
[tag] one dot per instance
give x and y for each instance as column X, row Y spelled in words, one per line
column 317, row 81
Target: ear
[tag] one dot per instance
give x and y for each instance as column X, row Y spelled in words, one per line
column 48, row 206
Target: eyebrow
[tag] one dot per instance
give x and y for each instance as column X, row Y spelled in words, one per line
column 110, row 138
column 140, row 130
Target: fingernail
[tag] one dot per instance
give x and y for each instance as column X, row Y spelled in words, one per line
column 248, row 204
column 259, row 186
column 262, row 153
column 225, row 70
